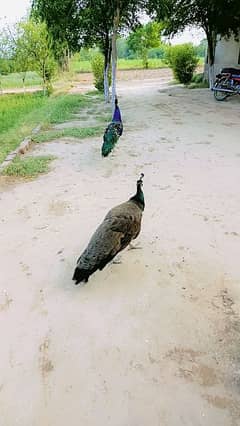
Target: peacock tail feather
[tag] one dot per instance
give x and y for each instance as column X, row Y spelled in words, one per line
column 112, row 132
column 110, row 138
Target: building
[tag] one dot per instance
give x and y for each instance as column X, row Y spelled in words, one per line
column 227, row 54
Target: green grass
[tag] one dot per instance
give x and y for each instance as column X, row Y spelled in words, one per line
column 123, row 64
column 75, row 132
column 127, row 64
column 19, row 114
column 28, row 167
column 198, row 82
column 13, row 108
column 201, row 85
column 62, row 107
column 14, row 124
column 15, row 80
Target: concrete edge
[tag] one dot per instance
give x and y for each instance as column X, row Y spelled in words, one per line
column 20, row 150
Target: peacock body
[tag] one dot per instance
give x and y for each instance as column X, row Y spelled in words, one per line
column 120, row 226
column 112, row 132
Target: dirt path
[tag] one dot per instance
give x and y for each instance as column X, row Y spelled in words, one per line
column 154, row 340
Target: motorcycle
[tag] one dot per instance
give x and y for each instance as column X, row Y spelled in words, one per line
column 227, row 83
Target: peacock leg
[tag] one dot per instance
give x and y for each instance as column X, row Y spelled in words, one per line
column 134, row 247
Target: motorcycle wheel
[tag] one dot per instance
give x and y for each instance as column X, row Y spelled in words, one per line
column 220, row 96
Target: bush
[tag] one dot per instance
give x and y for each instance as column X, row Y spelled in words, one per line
column 198, row 82
column 198, row 78
column 97, row 65
column 183, row 61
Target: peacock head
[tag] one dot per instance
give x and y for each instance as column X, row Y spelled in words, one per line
column 139, row 196
column 140, row 181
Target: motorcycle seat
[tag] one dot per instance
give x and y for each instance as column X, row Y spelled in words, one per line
column 235, row 71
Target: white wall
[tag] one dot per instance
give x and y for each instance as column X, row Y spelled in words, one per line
column 227, row 54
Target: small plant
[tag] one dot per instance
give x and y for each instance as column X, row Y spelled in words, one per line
column 97, row 65
column 183, row 61
column 197, row 78
column 198, row 82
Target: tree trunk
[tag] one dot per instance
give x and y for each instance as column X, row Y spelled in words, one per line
column 107, row 61
column 23, row 80
column 211, row 38
column 44, row 79
column 64, row 60
column 114, row 56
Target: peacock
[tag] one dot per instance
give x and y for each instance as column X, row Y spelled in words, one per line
column 113, row 131
column 120, row 226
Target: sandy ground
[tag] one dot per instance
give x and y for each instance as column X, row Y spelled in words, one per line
column 154, row 340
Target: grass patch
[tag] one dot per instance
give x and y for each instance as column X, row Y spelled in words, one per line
column 62, row 107
column 15, row 80
column 28, row 167
column 122, row 64
column 128, row 64
column 75, row 132
column 201, row 85
column 14, row 126
column 20, row 113
column 198, row 82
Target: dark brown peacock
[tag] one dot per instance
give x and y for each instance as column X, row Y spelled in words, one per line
column 120, row 226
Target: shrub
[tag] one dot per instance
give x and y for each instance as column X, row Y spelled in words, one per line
column 198, row 78
column 97, row 65
column 183, row 61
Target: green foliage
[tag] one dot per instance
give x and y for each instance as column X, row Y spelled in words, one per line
column 29, row 166
column 6, row 66
column 198, row 78
column 97, row 64
column 215, row 17
column 33, row 51
column 7, row 47
column 143, row 38
column 201, row 49
column 198, row 82
column 122, row 48
column 183, row 61
column 157, row 52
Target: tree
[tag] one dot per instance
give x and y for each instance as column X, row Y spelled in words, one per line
column 183, row 61
column 201, row 49
column 144, row 38
column 62, row 23
column 33, row 46
column 216, row 17
column 100, row 22
column 123, row 14
column 7, row 49
column 87, row 22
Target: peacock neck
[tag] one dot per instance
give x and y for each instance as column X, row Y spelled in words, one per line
column 138, row 198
